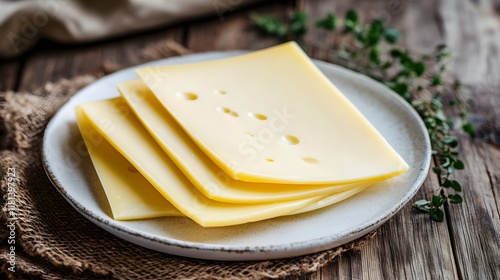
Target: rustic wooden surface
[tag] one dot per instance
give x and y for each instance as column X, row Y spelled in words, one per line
column 409, row 246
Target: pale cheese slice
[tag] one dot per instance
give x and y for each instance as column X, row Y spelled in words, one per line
column 118, row 125
column 330, row 200
column 129, row 194
column 200, row 170
column 271, row 116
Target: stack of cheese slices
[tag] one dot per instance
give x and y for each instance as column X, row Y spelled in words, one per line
column 232, row 141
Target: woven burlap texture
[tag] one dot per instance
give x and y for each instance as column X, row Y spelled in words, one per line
column 53, row 241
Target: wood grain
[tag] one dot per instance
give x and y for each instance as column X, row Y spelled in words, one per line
column 472, row 29
column 235, row 30
column 406, row 245
column 8, row 75
column 52, row 64
column 475, row 224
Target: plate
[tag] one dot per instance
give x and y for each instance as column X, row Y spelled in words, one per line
column 69, row 168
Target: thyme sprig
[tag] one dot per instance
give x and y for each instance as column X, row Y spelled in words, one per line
column 422, row 80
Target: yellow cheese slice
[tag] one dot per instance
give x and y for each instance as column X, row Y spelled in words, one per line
column 330, row 200
column 200, row 170
column 118, row 125
column 129, row 194
column 271, row 116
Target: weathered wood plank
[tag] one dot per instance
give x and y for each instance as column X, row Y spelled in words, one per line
column 234, row 30
column 8, row 75
column 67, row 61
column 136, row 51
column 475, row 224
column 472, row 30
column 51, row 65
column 409, row 246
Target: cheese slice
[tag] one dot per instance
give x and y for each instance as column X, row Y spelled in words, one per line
column 330, row 200
column 118, row 125
column 129, row 194
column 271, row 116
column 207, row 177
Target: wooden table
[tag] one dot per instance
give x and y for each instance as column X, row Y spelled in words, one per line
column 467, row 244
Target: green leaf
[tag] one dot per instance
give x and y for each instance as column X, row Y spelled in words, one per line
column 298, row 27
column 469, row 128
column 455, row 198
column 457, row 85
column 352, row 15
column 436, row 80
column 437, row 200
column 387, row 65
column 405, row 58
column 400, row 88
column 450, row 170
column 451, row 140
column 436, row 170
column 423, row 205
column 373, row 33
column 351, row 21
column 395, row 53
column 446, row 183
column 440, row 116
column 270, row 24
column 456, row 186
column 374, row 55
column 419, row 68
column 437, row 215
column 459, row 164
column 441, row 47
column 391, row 35
column 328, row 23
column 436, row 103
column 445, row 161
column 430, row 123
column 444, row 51
column 421, row 202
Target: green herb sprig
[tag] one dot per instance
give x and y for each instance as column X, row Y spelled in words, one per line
column 420, row 79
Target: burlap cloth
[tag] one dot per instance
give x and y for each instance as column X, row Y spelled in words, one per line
column 53, row 241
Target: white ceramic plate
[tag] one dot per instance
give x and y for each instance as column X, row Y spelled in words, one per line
column 70, row 170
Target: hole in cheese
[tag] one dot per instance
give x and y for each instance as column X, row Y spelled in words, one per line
column 290, row 139
column 310, row 160
column 187, row 95
column 234, row 114
column 223, row 110
column 269, row 160
column 258, row 116
column 220, row 92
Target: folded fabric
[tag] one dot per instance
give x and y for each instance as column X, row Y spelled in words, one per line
column 23, row 23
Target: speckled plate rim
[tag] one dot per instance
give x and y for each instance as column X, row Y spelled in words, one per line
column 242, row 252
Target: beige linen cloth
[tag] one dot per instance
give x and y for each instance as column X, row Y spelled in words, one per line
column 23, row 23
